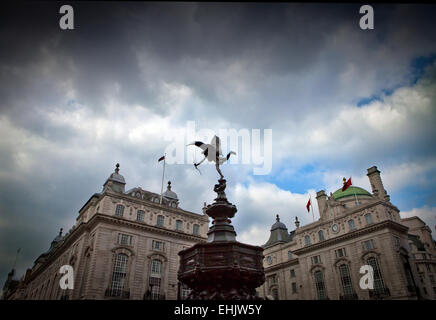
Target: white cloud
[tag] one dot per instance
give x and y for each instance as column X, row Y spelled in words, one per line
column 259, row 203
column 426, row 213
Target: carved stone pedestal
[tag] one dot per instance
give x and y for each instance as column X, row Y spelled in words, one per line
column 222, row 269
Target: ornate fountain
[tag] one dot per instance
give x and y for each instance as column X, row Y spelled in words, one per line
column 222, row 268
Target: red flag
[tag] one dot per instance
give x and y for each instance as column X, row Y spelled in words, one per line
column 308, row 205
column 161, row 158
column 346, row 184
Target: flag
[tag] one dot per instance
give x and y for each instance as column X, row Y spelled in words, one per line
column 308, row 205
column 161, row 158
column 346, row 184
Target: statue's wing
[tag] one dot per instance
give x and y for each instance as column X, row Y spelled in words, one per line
column 216, row 143
column 200, row 144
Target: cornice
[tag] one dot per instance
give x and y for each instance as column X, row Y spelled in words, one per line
column 88, row 226
column 154, row 205
column 354, row 234
column 139, row 225
column 347, row 212
column 281, row 265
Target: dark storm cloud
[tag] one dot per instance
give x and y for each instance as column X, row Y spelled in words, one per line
column 254, row 65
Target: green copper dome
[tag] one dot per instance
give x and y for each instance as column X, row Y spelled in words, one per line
column 339, row 194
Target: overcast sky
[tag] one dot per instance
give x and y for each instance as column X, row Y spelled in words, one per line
column 337, row 98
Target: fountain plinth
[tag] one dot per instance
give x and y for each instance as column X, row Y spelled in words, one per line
column 222, row 268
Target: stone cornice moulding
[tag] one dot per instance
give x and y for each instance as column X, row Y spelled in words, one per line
column 154, row 205
column 346, row 213
column 88, row 226
column 351, row 235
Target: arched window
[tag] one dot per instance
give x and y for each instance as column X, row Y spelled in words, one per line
column 379, row 286
column 119, row 275
column 368, row 218
column 119, row 210
column 179, row 225
column 160, row 220
column 156, row 266
column 196, row 229
column 321, row 235
column 351, row 224
column 307, row 240
column 347, row 286
column 140, row 215
column 320, row 285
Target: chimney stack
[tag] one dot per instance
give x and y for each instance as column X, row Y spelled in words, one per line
column 321, row 197
column 376, row 184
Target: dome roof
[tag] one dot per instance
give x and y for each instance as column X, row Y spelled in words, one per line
column 56, row 240
column 115, row 176
column 170, row 194
column 279, row 233
column 278, row 225
column 350, row 192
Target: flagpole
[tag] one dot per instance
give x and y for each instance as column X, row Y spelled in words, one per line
column 355, row 196
column 163, row 175
column 313, row 218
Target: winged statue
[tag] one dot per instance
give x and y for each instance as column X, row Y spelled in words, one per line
column 212, row 152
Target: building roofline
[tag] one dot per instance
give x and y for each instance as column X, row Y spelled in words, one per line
column 350, row 235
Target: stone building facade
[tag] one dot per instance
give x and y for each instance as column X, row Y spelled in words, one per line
column 322, row 260
column 124, row 245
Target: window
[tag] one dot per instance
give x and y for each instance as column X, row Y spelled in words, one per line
column 124, row 239
column 292, row 273
column 316, row 260
column 272, row 279
column 351, row 224
column 425, row 290
column 196, row 229
column 269, row 259
column 290, row 256
column 179, row 225
column 421, row 277
column 160, row 221
column 320, row 286
column 154, row 284
column 368, row 218
column 321, row 235
column 431, row 278
column 396, row 242
column 307, row 240
column 368, row 244
column 378, row 280
column 184, row 292
column 119, row 274
column 119, row 210
column 275, row 293
column 156, row 266
column 294, row 287
column 340, row 253
column 158, row 245
column 428, row 267
column 140, row 215
column 347, row 286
